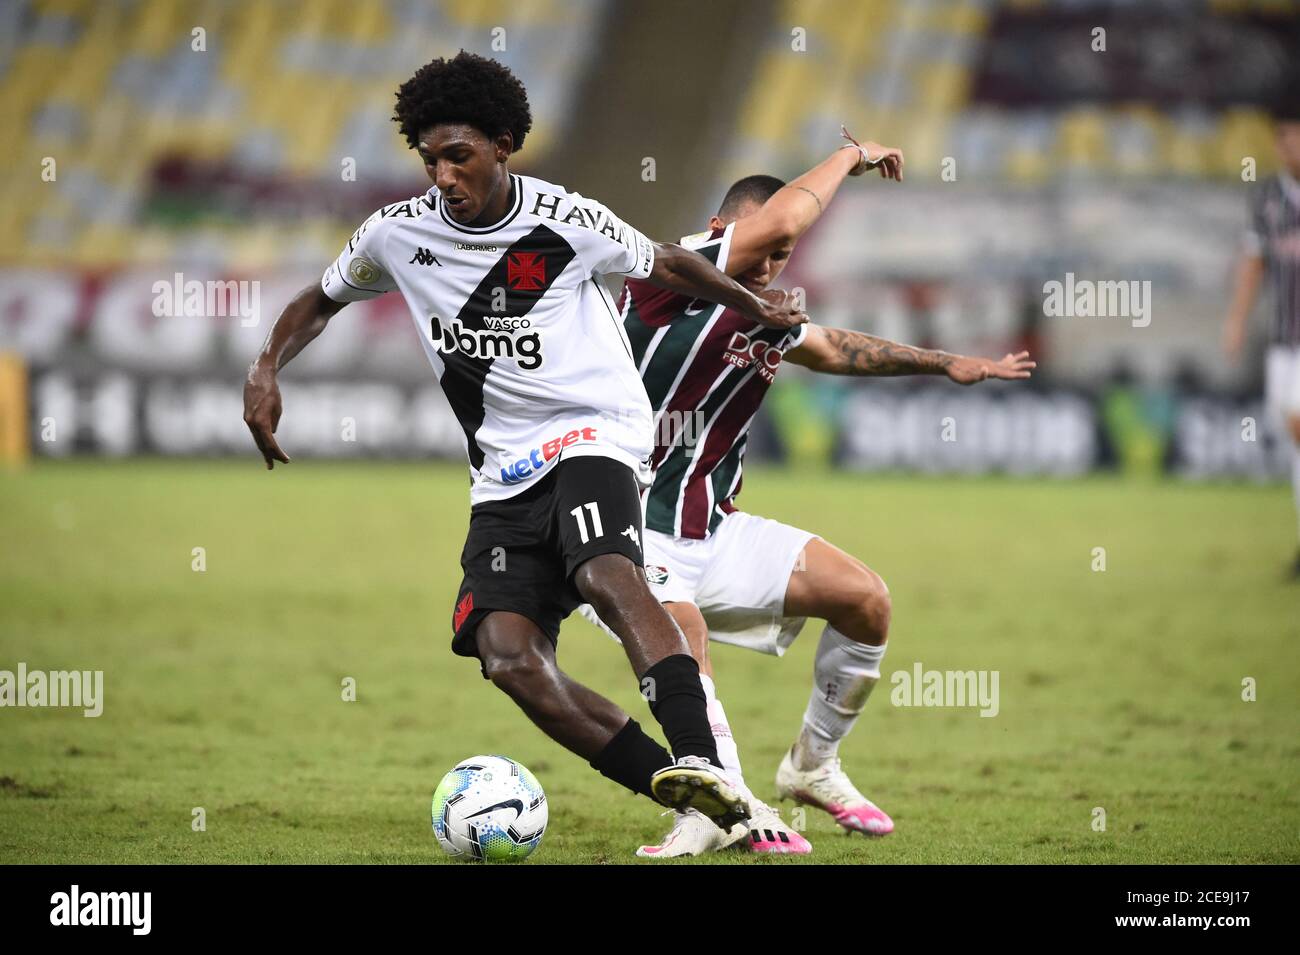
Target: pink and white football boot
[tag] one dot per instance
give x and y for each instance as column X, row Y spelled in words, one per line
column 827, row 787
column 768, row 834
column 693, row 834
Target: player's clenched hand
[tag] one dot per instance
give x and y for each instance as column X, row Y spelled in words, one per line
column 262, row 410
column 967, row 371
column 778, row 309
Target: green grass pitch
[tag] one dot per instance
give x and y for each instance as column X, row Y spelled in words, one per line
column 1119, row 689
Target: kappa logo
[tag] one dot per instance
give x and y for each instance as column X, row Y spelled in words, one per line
column 526, row 271
column 631, row 533
column 654, row 574
column 502, row 341
column 424, row 257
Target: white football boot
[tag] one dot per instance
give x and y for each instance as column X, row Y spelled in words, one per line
column 827, row 787
column 693, row 834
column 695, row 783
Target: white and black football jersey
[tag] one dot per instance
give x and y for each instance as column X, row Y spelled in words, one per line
column 527, row 344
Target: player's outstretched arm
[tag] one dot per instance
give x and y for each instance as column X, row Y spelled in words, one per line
column 793, row 208
column 1250, row 272
column 837, row 351
column 689, row 273
column 302, row 320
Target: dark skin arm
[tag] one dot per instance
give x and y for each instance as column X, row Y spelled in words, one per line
column 837, row 351
column 675, row 268
column 302, row 320
column 689, row 273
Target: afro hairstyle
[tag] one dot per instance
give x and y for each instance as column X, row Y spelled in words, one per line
column 464, row 89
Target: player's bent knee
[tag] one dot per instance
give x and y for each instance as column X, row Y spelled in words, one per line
column 519, row 675
column 873, row 601
column 512, row 658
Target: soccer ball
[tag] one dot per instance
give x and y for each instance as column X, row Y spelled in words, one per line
column 490, row 809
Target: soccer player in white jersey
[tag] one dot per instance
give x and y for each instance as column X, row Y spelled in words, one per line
column 499, row 272
column 1272, row 246
column 739, row 578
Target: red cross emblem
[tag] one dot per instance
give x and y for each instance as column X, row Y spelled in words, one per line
column 525, row 271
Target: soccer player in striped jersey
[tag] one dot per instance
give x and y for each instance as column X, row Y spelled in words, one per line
column 739, row 578
column 1272, row 247
column 500, row 275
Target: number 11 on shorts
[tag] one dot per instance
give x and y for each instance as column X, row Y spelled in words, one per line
column 597, row 530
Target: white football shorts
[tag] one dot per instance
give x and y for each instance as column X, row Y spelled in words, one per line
column 1282, row 383
column 737, row 577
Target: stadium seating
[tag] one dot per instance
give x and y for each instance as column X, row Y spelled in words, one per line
column 110, row 90
column 902, row 71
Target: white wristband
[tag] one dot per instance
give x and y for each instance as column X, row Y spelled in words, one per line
column 868, row 162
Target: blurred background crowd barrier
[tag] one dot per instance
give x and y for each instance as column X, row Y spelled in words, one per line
column 176, row 171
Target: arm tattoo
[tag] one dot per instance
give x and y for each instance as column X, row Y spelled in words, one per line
column 815, row 199
column 859, row 354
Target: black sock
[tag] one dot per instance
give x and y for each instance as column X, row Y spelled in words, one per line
column 677, row 701
column 631, row 758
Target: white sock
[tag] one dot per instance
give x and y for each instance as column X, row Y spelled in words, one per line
column 726, row 743
column 844, row 674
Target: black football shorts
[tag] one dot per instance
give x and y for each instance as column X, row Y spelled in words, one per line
column 521, row 553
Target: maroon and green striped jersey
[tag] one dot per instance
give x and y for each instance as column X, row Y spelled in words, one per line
column 706, row 369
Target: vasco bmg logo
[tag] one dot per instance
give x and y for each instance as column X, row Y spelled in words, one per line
column 502, row 340
column 424, row 257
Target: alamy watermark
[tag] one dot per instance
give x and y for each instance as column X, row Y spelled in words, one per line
column 76, row 688
column 178, row 298
column 672, row 427
column 75, row 907
column 960, row 688
column 1084, row 298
